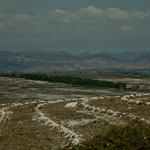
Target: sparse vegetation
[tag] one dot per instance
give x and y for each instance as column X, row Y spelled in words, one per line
column 46, row 112
column 130, row 137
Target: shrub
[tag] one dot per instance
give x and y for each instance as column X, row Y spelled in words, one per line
column 130, row 137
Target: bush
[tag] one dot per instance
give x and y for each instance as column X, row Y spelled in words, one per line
column 130, row 137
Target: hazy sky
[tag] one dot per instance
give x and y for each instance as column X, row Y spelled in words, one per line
column 75, row 25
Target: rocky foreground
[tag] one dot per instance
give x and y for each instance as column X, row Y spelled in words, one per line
column 44, row 125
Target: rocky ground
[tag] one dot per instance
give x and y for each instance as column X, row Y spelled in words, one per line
column 38, row 123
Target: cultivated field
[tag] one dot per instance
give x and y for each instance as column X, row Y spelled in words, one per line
column 37, row 115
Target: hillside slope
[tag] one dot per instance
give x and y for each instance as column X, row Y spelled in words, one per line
column 51, row 61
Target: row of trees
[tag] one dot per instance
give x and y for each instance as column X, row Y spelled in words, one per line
column 64, row 79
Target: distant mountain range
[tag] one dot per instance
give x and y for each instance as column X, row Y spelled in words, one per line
column 44, row 61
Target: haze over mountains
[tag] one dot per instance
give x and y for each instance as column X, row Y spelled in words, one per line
column 44, row 61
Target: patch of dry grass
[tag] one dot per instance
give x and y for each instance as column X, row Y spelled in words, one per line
column 91, row 129
column 21, row 133
column 58, row 112
column 139, row 110
column 143, row 98
column 114, row 104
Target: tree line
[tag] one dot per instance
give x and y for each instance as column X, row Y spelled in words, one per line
column 64, row 79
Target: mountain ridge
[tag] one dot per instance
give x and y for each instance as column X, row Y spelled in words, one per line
column 65, row 61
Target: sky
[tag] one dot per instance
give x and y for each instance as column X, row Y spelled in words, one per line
column 75, row 25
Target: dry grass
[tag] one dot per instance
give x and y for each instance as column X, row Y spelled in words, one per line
column 21, row 133
column 142, row 98
column 91, row 129
column 114, row 104
column 139, row 110
column 58, row 112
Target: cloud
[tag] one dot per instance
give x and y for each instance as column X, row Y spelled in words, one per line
column 117, row 14
column 86, row 25
column 60, row 19
column 127, row 29
column 91, row 12
column 19, row 23
column 62, row 16
column 141, row 14
column 6, row 5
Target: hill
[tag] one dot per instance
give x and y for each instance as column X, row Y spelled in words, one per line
column 43, row 61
